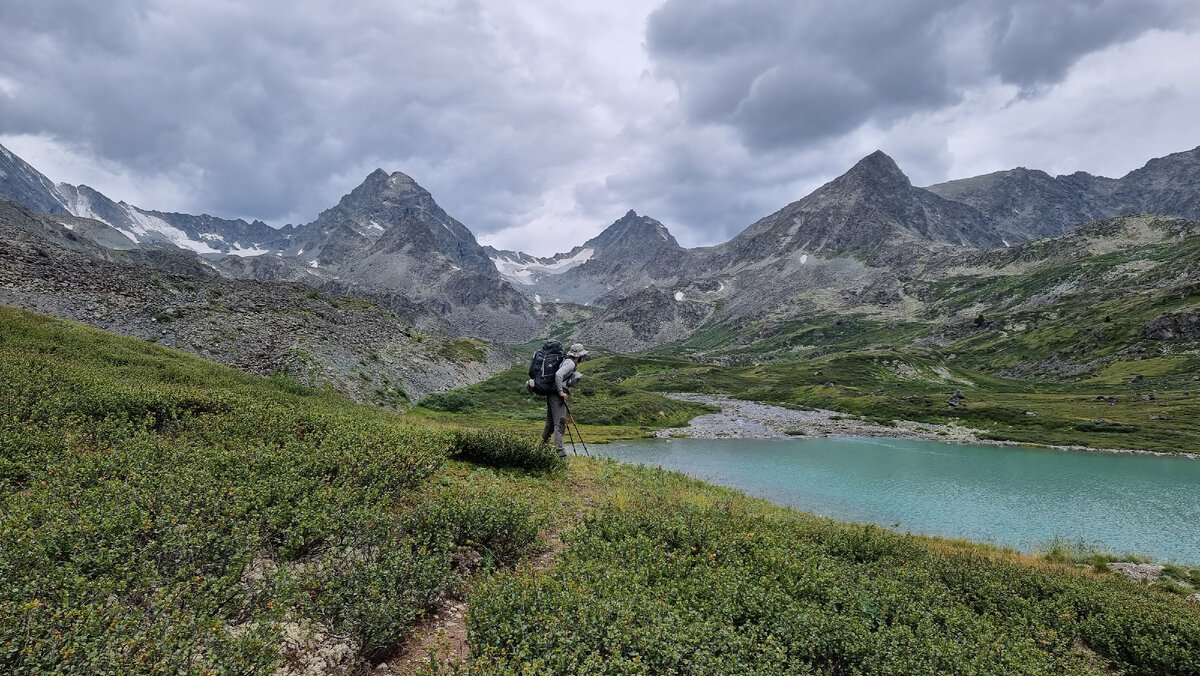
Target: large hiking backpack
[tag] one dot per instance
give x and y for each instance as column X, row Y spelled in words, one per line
column 544, row 365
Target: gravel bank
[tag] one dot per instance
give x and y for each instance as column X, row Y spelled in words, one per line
column 740, row 419
column 750, row 420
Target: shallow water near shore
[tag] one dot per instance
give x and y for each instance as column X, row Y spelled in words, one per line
column 1015, row 497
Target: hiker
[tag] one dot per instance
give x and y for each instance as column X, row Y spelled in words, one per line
column 556, row 390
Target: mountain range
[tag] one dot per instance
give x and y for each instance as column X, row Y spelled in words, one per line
column 848, row 246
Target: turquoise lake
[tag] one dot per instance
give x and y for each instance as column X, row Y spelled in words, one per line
column 1015, row 497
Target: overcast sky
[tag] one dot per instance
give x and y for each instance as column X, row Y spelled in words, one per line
column 537, row 123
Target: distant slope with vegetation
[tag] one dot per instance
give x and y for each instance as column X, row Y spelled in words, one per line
column 1092, row 338
column 163, row 514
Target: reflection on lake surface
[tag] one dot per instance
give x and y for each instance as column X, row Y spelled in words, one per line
column 1016, row 497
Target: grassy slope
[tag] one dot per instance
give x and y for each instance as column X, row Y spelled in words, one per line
column 159, row 513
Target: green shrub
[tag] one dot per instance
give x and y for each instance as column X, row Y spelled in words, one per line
column 373, row 591
column 451, row 402
column 288, row 383
column 504, row 449
column 655, row 584
column 488, row 520
column 393, row 396
column 139, row 487
column 461, row 350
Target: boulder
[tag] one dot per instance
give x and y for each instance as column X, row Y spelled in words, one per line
column 956, row 399
column 1173, row 327
column 1193, row 599
column 1148, row 572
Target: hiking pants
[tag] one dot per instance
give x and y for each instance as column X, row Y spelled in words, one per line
column 556, row 422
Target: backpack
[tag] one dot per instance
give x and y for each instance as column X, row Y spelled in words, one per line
column 544, row 365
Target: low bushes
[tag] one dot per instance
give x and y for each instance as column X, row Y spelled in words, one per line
column 488, row 520
column 449, row 402
column 372, row 591
column 660, row 585
column 504, row 449
column 160, row 514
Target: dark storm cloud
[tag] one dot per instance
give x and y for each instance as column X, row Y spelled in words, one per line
column 786, row 73
column 267, row 104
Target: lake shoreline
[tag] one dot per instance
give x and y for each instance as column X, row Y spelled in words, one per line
column 741, row 419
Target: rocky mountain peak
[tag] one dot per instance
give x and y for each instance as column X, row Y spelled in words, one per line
column 632, row 234
column 27, row 186
column 1177, row 169
column 1025, row 204
column 380, row 190
column 381, row 202
column 876, row 171
column 871, row 209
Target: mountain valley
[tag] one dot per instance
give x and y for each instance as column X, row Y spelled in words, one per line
column 1016, row 275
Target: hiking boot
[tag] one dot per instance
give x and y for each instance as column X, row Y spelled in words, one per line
column 562, row 453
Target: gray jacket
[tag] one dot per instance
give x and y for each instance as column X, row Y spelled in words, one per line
column 566, row 376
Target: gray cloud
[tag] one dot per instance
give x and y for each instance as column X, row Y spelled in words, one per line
column 1034, row 43
column 271, row 98
column 790, row 73
column 537, row 117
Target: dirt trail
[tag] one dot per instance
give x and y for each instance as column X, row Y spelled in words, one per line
column 439, row 643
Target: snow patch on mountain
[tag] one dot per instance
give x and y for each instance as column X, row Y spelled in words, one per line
column 237, row 250
column 81, row 206
column 142, row 227
column 519, row 271
column 147, row 226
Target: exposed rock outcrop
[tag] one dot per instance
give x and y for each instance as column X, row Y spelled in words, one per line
column 1173, row 327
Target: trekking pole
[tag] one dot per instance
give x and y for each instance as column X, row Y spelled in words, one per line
column 571, row 421
column 571, row 438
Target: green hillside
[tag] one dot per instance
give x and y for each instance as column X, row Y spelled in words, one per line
column 1087, row 339
column 162, row 514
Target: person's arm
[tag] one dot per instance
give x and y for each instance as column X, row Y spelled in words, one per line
column 560, row 376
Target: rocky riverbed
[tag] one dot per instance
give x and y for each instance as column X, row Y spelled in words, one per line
column 750, row 420
column 740, row 419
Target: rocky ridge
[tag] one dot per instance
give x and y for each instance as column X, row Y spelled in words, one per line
column 269, row 328
column 1023, row 205
column 387, row 240
column 631, row 253
column 867, row 243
